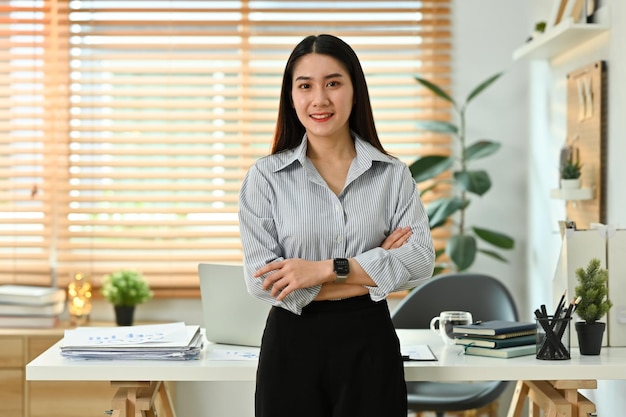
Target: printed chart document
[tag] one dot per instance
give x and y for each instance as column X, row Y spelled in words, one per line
column 233, row 353
column 173, row 341
column 417, row 353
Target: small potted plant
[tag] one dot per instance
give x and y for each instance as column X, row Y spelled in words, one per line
column 570, row 173
column 594, row 304
column 125, row 289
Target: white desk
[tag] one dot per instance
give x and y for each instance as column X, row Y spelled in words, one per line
column 610, row 364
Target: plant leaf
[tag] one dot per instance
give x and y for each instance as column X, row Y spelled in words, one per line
column 438, row 269
column 437, row 126
column 482, row 86
column 438, row 211
column 477, row 182
column 497, row 239
column 462, row 251
column 480, row 150
column 430, row 166
column 493, row 254
column 435, row 89
column 427, row 189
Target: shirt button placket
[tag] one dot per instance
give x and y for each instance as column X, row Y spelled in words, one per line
column 340, row 222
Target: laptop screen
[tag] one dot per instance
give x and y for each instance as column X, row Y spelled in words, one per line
column 231, row 315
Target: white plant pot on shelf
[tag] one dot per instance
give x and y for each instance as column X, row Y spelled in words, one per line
column 570, row 184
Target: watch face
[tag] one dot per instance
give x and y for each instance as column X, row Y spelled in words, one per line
column 342, row 266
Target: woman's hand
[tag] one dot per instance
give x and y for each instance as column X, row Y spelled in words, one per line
column 397, row 238
column 283, row 277
column 291, row 274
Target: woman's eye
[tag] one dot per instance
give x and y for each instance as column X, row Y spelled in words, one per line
column 303, row 86
column 333, row 84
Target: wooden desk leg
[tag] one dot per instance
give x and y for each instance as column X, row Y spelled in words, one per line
column 517, row 402
column 125, row 399
column 166, row 401
column 549, row 399
column 569, row 389
column 585, row 406
column 555, row 398
column 534, row 410
column 138, row 399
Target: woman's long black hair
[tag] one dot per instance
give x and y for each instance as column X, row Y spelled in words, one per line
column 289, row 131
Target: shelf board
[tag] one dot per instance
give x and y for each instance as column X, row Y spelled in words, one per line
column 561, row 38
column 572, row 193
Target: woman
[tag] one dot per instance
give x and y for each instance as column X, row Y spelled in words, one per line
column 330, row 225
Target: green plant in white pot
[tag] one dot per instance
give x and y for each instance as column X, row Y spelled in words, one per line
column 125, row 289
column 594, row 304
column 570, row 173
column 464, row 242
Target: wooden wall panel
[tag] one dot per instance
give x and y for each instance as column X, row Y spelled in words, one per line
column 586, row 131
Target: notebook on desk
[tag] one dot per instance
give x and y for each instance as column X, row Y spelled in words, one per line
column 231, row 315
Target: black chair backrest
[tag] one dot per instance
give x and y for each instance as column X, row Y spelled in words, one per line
column 483, row 296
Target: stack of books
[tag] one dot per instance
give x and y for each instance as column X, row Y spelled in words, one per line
column 27, row 306
column 497, row 338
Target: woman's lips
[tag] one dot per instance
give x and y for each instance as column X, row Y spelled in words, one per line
column 321, row 116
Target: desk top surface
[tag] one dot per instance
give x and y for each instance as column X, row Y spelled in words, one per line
column 452, row 365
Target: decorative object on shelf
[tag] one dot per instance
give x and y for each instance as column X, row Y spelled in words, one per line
column 540, row 27
column 125, row 289
column 574, row 9
column 570, row 168
column 593, row 289
column 79, row 299
column 556, row 13
column 461, row 247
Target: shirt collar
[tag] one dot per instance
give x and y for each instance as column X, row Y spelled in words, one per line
column 365, row 153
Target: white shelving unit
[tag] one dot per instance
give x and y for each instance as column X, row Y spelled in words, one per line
column 561, row 38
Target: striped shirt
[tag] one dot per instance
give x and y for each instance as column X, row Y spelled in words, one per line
column 286, row 210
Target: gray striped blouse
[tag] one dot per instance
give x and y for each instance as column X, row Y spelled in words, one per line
column 286, row 210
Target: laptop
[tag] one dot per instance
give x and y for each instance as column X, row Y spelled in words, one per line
column 231, row 315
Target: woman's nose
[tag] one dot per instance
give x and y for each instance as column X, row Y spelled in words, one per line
column 321, row 97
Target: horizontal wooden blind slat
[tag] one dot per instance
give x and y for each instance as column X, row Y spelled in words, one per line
column 126, row 127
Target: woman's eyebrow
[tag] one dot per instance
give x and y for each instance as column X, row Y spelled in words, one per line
column 326, row 77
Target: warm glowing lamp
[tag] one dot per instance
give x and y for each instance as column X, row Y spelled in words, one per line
column 79, row 292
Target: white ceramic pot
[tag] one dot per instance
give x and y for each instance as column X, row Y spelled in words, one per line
column 570, row 184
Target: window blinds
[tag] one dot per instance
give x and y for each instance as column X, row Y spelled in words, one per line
column 127, row 126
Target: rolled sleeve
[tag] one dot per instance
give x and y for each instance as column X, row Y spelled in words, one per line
column 260, row 242
column 404, row 267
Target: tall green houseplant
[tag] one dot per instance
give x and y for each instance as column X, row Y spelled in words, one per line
column 463, row 244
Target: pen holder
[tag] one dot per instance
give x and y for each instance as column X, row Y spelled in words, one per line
column 553, row 338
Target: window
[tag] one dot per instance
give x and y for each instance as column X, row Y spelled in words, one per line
column 127, row 126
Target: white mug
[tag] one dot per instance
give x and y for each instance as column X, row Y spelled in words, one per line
column 447, row 320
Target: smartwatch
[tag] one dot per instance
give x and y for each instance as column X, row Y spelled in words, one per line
column 342, row 269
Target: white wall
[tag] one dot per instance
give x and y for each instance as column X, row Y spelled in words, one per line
column 485, row 32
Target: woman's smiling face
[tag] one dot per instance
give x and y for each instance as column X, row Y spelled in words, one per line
column 322, row 96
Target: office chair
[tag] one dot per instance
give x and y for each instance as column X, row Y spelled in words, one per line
column 487, row 299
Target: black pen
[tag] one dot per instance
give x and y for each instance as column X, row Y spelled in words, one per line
column 568, row 315
column 574, row 303
column 559, row 306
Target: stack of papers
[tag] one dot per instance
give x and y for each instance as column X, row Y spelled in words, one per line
column 172, row 341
